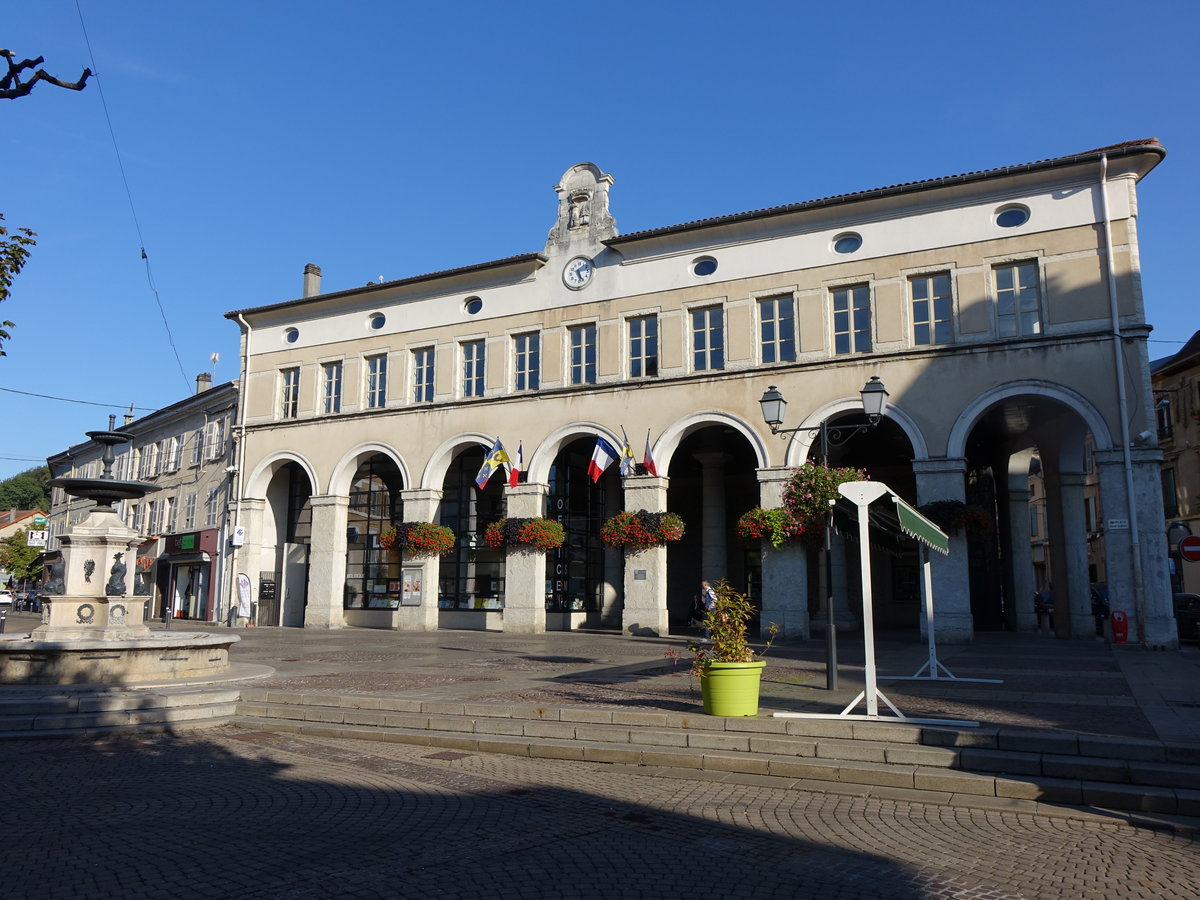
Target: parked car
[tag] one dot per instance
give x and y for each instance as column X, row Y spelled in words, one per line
column 1187, row 616
column 6, row 599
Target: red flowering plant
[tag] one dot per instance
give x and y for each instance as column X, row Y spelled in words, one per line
column 641, row 530
column 418, row 538
column 525, row 534
column 809, row 492
column 774, row 524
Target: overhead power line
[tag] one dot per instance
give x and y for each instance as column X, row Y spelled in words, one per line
column 127, row 406
column 129, row 196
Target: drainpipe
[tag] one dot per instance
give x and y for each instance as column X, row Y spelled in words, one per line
column 240, row 457
column 1135, row 543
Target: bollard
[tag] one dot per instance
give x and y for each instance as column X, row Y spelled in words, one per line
column 1120, row 626
column 3, row 616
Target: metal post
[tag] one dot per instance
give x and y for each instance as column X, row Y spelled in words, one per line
column 831, row 661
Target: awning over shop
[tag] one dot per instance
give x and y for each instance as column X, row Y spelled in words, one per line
column 890, row 525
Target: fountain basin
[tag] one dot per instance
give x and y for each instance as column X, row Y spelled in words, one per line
column 157, row 657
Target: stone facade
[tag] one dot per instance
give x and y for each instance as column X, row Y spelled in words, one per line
column 986, row 303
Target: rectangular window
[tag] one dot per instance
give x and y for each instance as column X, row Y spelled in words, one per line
column 214, row 439
column 931, row 308
column 289, row 400
column 527, row 361
column 1017, row 299
column 376, row 381
column 777, row 329
column 155, row 517
column 170, row 513
column 1170, row 494
column 643, row 347
column 331, row 392
column 583, row 354
column 708, row 338
column 189, row 513
column 1091, row 514
column 473, row 357
column 212, row 509
column 173, row 455
column 852, row 319
column 1034, row 522
column 423, row 375
column 197, row 446
column 139, row 518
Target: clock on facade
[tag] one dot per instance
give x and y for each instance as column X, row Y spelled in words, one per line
column 577, row 273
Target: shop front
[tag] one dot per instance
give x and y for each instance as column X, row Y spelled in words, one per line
column 190, row 564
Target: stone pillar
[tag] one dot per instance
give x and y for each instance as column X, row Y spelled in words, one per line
column 247, row 558
column 327, row 563
column 1118, row 544
column 1067, row 527
column 1020, row 556
column 421, row 505
column 525, row 570
column 645, row 582
column 784, row 570
column 945, row 479
column 713, row 562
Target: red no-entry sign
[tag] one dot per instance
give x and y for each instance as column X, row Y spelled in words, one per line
column 1189, row 548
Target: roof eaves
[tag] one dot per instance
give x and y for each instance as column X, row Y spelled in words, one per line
column 399, row 282
column 1128, row 148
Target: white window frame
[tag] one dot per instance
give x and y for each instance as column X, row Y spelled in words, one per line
column 711, row 356
column 842, row 322
column 189, row 512
column 582, row 343
column 424, row 362
column 375, row 367
column 474, row 366
column 1020, row 294
column 333, row 373
column 527, row 361
column 288, row 394
column 778, row 342
column 636, row 345
column 931, row 320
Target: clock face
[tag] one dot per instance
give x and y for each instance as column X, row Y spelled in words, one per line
column 577, row 273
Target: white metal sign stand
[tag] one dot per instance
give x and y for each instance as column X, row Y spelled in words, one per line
column 862, row 494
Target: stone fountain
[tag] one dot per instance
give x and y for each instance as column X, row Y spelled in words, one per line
column 93, row 631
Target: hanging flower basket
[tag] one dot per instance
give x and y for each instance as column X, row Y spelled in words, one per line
column 641, row 530
column 525, row 534
column 810, row 491
column 418, row 539
column 954, row 515
column 774, row 524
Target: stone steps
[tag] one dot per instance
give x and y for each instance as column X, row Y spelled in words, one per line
column 59, row 712
column 986, row 765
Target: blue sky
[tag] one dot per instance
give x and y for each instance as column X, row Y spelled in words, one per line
column 391, row 139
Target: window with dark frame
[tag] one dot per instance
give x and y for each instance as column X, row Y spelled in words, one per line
column 583, row 354
column 643, row 347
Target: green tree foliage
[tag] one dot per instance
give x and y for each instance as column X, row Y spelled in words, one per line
column 14, row 251
column 19, row 558
column 27, row 490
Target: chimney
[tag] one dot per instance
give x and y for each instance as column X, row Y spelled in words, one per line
column 203, row 382
column 128, row 417
column 312, row 280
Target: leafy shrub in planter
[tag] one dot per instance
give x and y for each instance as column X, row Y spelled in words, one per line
column 774, row 524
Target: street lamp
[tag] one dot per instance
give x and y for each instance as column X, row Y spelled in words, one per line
column 874, row 400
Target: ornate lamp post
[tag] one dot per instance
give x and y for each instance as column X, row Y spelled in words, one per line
column 874, row 400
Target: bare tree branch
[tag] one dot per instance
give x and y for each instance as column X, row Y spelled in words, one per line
column 12, row 87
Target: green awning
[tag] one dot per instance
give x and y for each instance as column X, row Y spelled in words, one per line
column 917, row 526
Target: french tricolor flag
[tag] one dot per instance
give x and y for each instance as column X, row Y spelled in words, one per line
column 514, row 471
column 603, row 456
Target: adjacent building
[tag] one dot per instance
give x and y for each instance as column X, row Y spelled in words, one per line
column 186, row 451
column 1177, row 412
column 1002, row 309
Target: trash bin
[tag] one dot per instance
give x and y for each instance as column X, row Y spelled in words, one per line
column 1120, row 626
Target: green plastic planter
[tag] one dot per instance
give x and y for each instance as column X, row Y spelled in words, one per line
column 731, row 688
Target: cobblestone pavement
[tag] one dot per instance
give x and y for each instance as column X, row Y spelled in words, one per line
column 230, row 812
